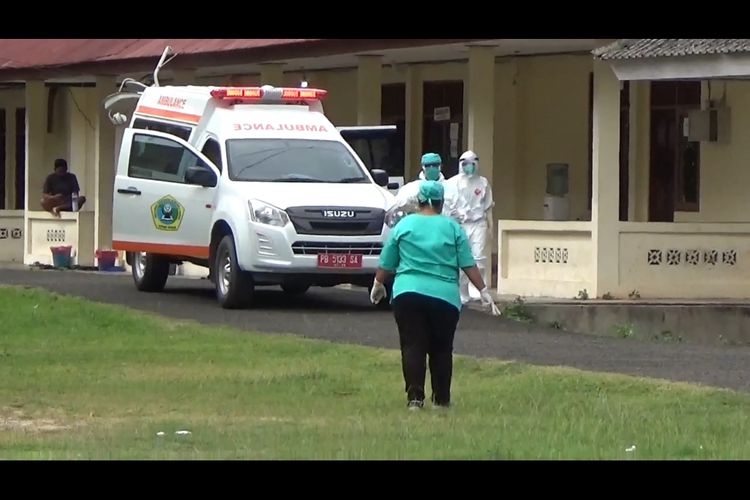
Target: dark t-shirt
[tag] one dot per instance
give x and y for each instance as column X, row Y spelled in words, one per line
column 65, row 184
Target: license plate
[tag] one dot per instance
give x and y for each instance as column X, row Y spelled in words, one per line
column 340, row 260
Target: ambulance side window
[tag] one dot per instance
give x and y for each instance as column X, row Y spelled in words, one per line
column 212, row 151
column 168, row 128
column 160, row 159
column 361, row 146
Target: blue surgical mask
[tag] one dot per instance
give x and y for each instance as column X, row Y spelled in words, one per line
column 469, row 168
column 432, row 173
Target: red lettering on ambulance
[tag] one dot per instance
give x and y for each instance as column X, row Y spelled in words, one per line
column 291, row 127
column 172, row 102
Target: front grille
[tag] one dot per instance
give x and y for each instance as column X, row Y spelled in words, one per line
column 343, row 221
column 316, row 247
column 340, row 227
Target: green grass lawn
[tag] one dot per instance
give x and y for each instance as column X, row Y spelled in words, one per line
column 91, row 381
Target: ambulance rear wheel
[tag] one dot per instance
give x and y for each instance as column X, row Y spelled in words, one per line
column 234, row 287
column 150, row 272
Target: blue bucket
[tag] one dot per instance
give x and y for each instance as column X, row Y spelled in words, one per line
column 61, row 256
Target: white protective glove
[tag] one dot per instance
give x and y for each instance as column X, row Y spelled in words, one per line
column 378, row 292
column 488, row 302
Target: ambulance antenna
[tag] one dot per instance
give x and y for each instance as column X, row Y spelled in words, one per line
column 162, row 63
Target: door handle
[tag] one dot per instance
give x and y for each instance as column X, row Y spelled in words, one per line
column 130, row 190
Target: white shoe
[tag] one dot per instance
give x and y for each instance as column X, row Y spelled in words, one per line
column 415, row 405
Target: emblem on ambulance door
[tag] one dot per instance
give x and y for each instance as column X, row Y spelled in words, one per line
column 167, row 213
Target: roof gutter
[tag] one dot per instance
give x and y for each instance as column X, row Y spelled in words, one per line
column 701, row 67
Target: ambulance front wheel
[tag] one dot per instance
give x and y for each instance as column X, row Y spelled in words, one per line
column 150, row 272
column 234, row 287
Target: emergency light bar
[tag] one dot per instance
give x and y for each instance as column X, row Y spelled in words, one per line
column 261, row 94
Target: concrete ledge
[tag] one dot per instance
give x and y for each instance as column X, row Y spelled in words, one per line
column 545, row 258
column 710, row 322
column 11, row 235
column 44, row 230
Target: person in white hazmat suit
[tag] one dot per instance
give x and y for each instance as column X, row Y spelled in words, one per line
column 406, row 198
column 471, row 202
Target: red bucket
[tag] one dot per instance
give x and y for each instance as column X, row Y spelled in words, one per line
column 61, row 256
column 106, row 259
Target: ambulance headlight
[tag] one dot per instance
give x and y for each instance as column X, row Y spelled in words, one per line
column 264, row 213
column 394, row 215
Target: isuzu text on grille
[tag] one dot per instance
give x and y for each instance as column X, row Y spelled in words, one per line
column 340, row 214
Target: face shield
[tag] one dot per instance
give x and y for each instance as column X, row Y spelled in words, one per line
column 469, row 166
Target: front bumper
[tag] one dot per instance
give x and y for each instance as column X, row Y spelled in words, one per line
column 269, row 250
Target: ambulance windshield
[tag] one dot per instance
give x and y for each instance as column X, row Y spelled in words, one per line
column 292, row 160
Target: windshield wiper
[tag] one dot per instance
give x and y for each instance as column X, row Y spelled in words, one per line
column 294, row 179
column 352, row 180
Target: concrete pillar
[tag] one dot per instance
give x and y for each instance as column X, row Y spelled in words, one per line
column 414, row 119
column 10, row 158
column 369, row 89
column 507, row 151
column 104, row 165
column 481, row 126
column 78, row 128
column 606, row 179
column 36, row 170
column 272, row 74
column 36, row 132
column 481, row 106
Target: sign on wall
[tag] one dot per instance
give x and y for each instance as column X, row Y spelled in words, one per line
column 442, row 114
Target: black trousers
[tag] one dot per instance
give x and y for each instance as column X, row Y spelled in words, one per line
column 426, row 327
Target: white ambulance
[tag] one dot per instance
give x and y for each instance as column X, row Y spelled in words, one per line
column 254, row 183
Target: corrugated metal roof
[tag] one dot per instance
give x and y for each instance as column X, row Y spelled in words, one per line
column 30, row 53
column 59, row 58
column 149, row 48
column 38, row 53
column 638, row 48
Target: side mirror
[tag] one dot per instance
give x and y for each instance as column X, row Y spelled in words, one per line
column 394, row 185
column 380, row 177
column 200, row 176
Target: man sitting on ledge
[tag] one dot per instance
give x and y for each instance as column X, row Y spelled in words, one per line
column 60, row 193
